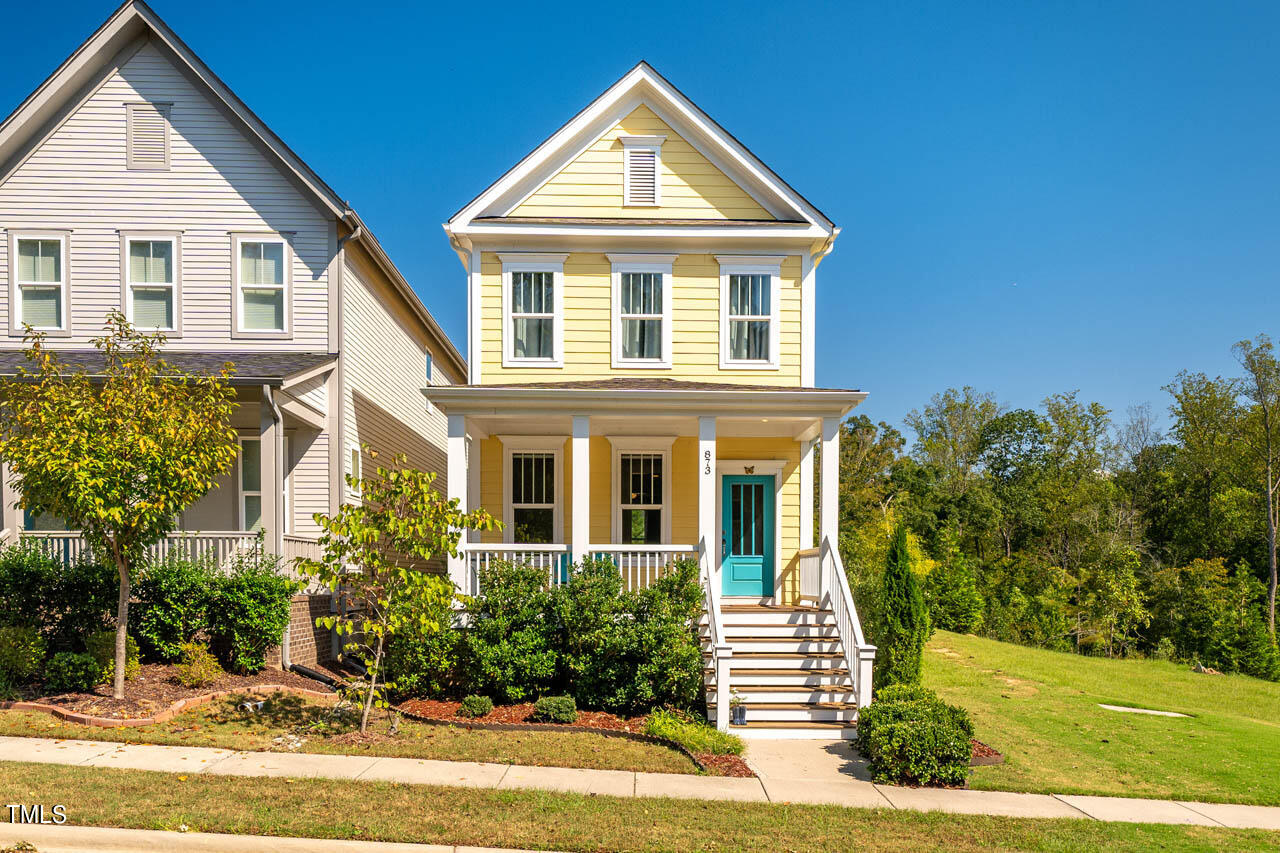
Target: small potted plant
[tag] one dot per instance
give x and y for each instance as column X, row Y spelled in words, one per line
column 737, row 709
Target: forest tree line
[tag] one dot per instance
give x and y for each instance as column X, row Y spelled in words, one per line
column 1066, row 528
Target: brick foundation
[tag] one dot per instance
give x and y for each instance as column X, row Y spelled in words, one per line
column 308, row 645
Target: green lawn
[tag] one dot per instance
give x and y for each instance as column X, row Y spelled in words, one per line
column 1041, row 710
column 317, row 808
column 219, row 724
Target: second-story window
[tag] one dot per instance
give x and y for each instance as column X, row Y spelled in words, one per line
column 749, row 314
column 533, row 310
column 40, row 282
column 151, row 293
column 262, row 285
column 642, row 310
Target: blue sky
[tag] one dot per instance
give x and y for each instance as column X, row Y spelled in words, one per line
column 1035, row 197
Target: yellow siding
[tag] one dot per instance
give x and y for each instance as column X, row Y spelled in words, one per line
column 695, row 312
column 684, row 492
column 592, row 185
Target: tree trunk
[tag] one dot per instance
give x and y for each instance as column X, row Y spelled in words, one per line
column 373, row 681
column 122, row 627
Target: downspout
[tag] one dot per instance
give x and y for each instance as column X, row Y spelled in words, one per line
column 286, row 662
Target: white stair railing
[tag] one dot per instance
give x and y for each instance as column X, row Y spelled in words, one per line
column 839, row 597
column 721, row 651
column 810, row 571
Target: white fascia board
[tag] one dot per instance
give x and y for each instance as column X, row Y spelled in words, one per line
column 552, row 401
column 503, row 229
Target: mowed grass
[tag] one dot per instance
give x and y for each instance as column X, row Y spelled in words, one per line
column 1041, row 710
column 220, row 724
column 314, row 808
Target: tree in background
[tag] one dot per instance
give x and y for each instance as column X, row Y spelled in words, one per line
column 904, row 626
column 117, row 456
column 951, row 592
column 376, row 553
column 1115, row 603
column 1261, row 431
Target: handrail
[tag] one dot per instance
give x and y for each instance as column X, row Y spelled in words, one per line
column 721, row 651
column 645, row 549
column 464, row 547
column 858, row 654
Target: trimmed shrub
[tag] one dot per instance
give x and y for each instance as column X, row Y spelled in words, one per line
column 475, row 706
column 507, row 650
column 249, row 610
column 72, row 672
column 422, row 658
column 171, row 607
column 102, row 646
column 21, row 653
column 906, row 620
column 910, row 736
column 697, row 736
column 555, row 709
column 198, row 667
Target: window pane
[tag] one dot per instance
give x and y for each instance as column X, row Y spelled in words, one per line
column 533, row 526
column 532, row 292
column 153, row 307
column 252, row 512
column 641, row 338
column 261, row 263
column 151, row 261
column 532, row 338
column 749, row 340
column 641, row 478
column 42, row 307
column 251, row 465
column 264, row 309
column 642, row 526
column 749, row 295
column 533, row 478
column 40, row 261
column 641, row 293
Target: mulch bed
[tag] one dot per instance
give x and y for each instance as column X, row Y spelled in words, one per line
column 446, row 711
column 984, row 755
column 156, row 689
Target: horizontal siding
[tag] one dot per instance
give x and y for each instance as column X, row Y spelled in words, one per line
column 218, row 182
column 587, row 324
column 592, row 185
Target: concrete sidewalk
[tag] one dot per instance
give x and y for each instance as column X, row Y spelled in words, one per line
column 815, row 772
column 84, row 839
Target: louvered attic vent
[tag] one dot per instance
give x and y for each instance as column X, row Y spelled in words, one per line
column 642, row 156
column 147, row 136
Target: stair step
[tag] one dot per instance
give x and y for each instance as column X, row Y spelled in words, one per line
column 797, row 724
column 772, row 608
column 785, row 688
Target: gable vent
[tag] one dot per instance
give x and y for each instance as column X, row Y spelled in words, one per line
column 642, row 156
column 147, row 136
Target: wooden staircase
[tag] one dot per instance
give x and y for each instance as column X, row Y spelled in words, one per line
column 790, row 670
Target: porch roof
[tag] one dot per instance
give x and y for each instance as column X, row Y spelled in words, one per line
column 253, row 367
column 644, row 395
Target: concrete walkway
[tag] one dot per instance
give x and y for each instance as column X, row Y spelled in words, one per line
column 83, row 839
column 795, row 771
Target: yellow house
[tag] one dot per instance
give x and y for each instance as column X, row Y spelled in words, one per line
column 641, row 302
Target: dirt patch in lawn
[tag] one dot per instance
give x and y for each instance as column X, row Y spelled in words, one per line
column 157, row 688
column 983, row 755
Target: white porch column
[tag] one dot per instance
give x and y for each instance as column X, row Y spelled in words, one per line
column 271, row 471
column 473, row 481
column 581, row 443
column 806, row 496
column 708, row 530
column 829, row 501
column 456, row 487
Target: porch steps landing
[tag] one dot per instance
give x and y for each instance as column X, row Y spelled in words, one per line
column 789, row 670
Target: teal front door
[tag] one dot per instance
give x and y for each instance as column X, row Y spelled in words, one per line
column 746, row 521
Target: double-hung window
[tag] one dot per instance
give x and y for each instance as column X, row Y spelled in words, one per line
column 151, row 282
column 250, row 484
column 533, row 310
column 39, row 275
column 641, row 310
column 533, row 497
column 642, row 489
column 749, row 310
column 262, row 271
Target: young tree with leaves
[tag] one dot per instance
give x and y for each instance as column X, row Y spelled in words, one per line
column 118, row 454
column 1261, row 431
column 376, row 553
column 905, row 619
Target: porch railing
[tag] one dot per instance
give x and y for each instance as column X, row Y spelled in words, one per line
column 553, row 558
column 300, row 547
column 641, row 565
column 220, row 545
column 836, row 593
column 810, row 570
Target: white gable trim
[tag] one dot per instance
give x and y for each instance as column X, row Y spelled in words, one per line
column 640, row 85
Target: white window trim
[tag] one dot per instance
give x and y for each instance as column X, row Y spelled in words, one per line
column 355, row 469
column 287, row 486
column 660, row 445
column 240, row 489
column 237, row 290
column 752, row 265
column 775, row 468
column 15, row 289
column 126, row 286
column 641, row 263
column 513, row 444
column 528, row 262
column 165, row 110
column 630, row 145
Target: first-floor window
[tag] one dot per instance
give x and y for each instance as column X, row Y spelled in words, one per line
column 250, row 484
column 41, row 276
column 151, row 283
column 641, row 499
column 533, row 497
